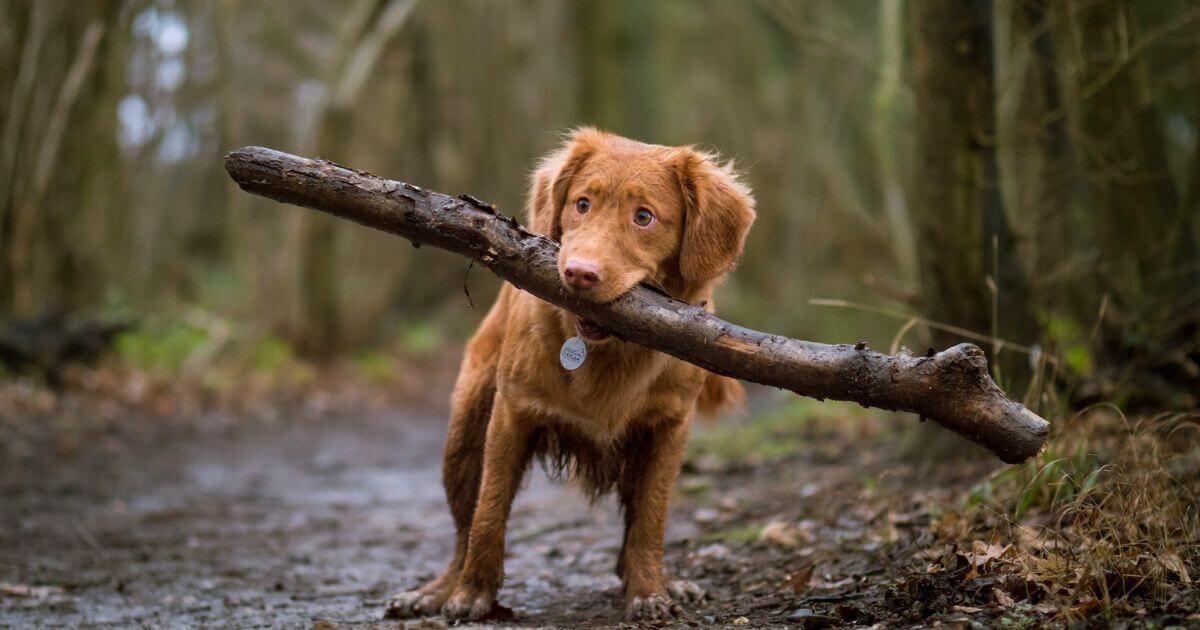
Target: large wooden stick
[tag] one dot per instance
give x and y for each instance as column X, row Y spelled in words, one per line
column 952, row 387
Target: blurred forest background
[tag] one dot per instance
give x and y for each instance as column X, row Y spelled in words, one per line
column 1020, row 173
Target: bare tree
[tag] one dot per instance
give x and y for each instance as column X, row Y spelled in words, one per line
column 363, row 38
column 970, row 276
column 39, row 262
column 1145, row 289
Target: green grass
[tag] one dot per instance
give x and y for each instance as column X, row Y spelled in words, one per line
column 421, row 339
column 1056, row 477
column 774, row 435
column 162, row 349
column 270, row 354
column 375, row 366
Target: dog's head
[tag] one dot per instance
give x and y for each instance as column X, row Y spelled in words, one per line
column 628, row 212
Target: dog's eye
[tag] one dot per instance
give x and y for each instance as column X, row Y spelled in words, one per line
column 583, row 205
column 643, row 217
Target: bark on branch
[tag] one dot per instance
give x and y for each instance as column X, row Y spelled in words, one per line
column 952, row 387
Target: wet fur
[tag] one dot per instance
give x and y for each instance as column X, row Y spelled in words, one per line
column 618, row 423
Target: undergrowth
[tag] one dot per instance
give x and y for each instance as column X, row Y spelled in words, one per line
column 1104, row 521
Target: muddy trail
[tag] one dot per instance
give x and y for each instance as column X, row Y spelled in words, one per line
column 316, row 522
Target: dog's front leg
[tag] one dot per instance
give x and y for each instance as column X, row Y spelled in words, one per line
column 645, row 587
column 505, row 458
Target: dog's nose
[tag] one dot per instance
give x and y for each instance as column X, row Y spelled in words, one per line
column 581, row 274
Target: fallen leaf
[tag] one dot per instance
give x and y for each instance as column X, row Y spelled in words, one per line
column 800, row 579
column 1032, row 538
column 1004, row 599
column 24, row 590
column 818, row 582
column 780, row 534
column 980, row 555
column 1046, row 609
column 950, row 526
column 970, row 610
column 740, row 621
column 1087, row 607
column 1173, row 563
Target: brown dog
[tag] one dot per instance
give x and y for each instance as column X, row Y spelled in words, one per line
column 625, row 212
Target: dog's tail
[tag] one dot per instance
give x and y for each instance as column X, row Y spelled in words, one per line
column 720, row 393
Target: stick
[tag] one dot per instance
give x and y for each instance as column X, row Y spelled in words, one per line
column 952, row 387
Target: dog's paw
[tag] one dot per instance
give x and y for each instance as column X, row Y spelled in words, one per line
column 468, row 604
column 411, row 604
column 656, row 607
column 686, row 591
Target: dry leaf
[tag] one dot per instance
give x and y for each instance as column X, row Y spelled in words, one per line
column 1004, row 599
column 1087, row 607
column 800, row 579
column 970, row 610
column 1171, row 561
column 981, row 554
column 24, row 590
column 780, row 534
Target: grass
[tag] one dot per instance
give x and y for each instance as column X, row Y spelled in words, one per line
column 740, row 535
column 376, row 367
column 163, row 349
column 196, row 355
column 779, row 433
column 1105, row 520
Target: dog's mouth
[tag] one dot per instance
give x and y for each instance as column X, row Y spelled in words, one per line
column 591, row 330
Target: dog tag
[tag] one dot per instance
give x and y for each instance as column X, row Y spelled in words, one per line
column 572, row 354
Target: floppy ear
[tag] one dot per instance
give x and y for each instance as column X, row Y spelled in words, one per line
column 718, row 212
column 552, row 180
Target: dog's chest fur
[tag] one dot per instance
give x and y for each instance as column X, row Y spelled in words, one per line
column 619, row 385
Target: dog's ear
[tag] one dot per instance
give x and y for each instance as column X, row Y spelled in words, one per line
column 551, row 181
column 718, row 212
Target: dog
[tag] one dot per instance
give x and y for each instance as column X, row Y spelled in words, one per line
column 625, row 213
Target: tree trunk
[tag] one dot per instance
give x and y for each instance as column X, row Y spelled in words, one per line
column 618, row 87
column 1035, row 146
column 952, row 387
column 1147, row 258
column 970, row 276
column 47, row 150
column 885, row 128
column 364, row 39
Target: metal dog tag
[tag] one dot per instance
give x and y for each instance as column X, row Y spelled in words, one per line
column 573, row 353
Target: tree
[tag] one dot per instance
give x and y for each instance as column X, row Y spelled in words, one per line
column 368, row 29
column 970, row 275
column 47, row 190
column 1147, row 259
column 616, row 55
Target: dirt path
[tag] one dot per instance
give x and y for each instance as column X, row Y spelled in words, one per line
column 275, row 527
column 317, row 522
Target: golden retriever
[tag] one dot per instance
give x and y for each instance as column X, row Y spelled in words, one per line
column 625, row 212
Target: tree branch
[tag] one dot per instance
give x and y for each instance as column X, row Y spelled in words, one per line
column 952, row 387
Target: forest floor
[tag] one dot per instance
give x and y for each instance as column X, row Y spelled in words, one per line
column 311, row 516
